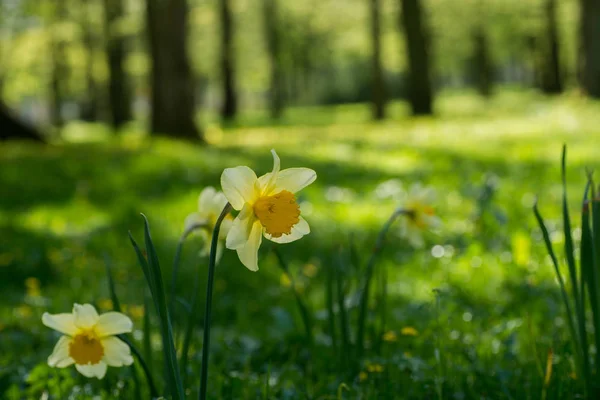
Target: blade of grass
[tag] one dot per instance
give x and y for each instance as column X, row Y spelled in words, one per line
column 163, row 313
column 341, row 298
column 304, row 312
column 111, row 285
column 576, row 343
column 329, row 299
column 138, row 355
column 208, row 310
column 595, row 269
column 364, row 297
column 147, row 343
column 570, row 256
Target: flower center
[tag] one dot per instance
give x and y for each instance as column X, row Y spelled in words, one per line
column 417, row 212
column 86, row 348
column 277, row 213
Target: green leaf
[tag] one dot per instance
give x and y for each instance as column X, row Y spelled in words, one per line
column 573, row 332
column 176, row 387
column 111, row 285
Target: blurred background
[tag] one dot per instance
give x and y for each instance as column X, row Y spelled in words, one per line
column 473, row 98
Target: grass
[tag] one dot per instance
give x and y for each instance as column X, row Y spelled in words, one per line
column 66, row 209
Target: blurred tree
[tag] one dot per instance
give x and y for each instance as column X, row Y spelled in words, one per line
column 272, row 37
column 229, row 107
column 589, row 57
column 90, row 104
column 173, row 100
column 551, row 79
column 482, row 63
column 12, row 128
column 417, row 43
column 118, row 87
column 59, row 74
column 378, row 95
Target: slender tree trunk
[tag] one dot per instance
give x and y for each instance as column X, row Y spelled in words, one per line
column 378, row 95
column 90, row 104
column 229, row 108
column 416, row 35
column 59, row 71
column 12, row 128
column 551, row 76
column 173, row 100
column 482, row 63
column 118, row 87
column 272, row 35
column 590, row 47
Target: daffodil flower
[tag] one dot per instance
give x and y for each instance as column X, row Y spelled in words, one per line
column 267, row 206
column 420, row 215
column 89, row 340
column 210, row 204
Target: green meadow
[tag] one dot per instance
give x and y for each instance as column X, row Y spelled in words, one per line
column 474, row 314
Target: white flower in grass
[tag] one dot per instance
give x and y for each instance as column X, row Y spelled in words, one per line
column 267, row 207
column 420, row 215
column 89, row 340
column 210, row 204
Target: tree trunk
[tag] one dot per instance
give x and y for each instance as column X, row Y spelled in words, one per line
column 12, row 128
column 590, row 47
column 551, row 76
column 229, row 108
column 59, row 71
column 417, row 37
column 118, row 88
column 173, row 100
column 272, row 35
column 90, row 103
column 378, row 95
column 482, row 63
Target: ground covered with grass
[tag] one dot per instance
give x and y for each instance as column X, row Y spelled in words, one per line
column 472, row 314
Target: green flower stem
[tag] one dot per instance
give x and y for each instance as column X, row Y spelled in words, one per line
column 177, row 262
column 304, row 312
column 138, row 355
column 208, row 310
column 364, row 299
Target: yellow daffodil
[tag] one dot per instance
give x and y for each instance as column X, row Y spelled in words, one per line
column 267, row 207
column 210, row 204
column 89, row 340
column 420, row 215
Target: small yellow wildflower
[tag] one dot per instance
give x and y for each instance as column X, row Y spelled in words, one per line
column 267, row 207
column 377, row 368
column 23, row 311
column 390, row 336
column 285, row 281
column 105, row 304
column 310, row 270
column 363, row 376
column 89, row 340
column 32, row 286
column 136, row 311
column 210, row 205
column 409, row 331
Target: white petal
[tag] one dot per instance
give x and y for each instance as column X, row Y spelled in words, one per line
column 295, row 179
column 238, row 185
column 192, row 222
column 85, row 315
column 206, row 198
column 241, row 227
column 113, row 323
column 63, row 323
column 298, row 231
column 248, row 253
column 116, row 352
column 92, row 370
column 267, row 181
column 60, row 357
column 219, row 201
